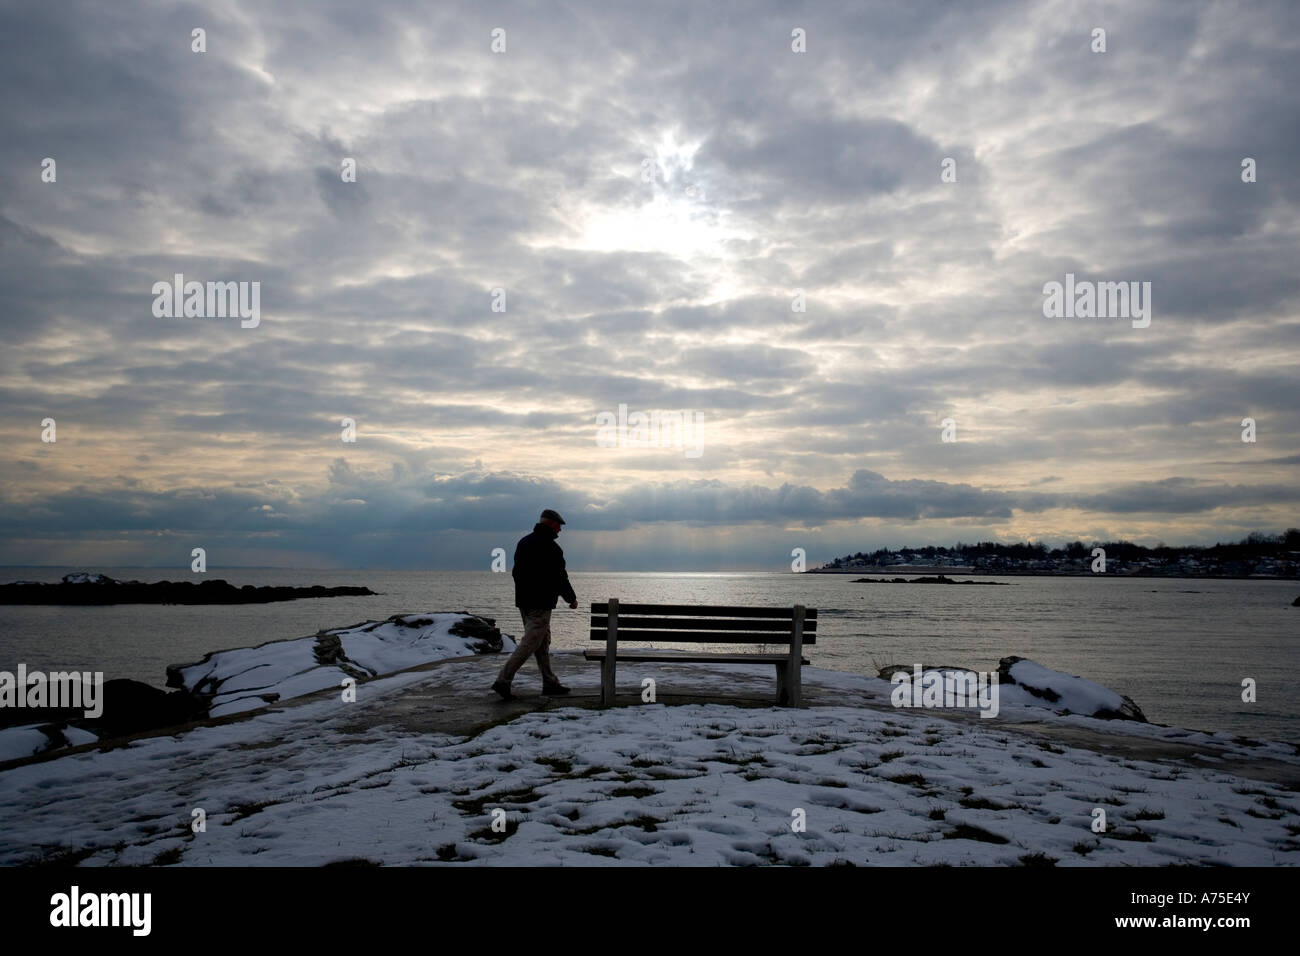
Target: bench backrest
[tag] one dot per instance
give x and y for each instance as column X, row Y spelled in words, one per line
column 702, row 624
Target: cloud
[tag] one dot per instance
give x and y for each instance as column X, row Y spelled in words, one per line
column 771, row 171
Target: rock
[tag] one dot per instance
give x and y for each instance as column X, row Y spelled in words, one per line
column 888, row 672
column 937, row 579
column 131, row 707
column 83, row 588
column 85, row 577
column 298, row 666
column 328, row 652
column 483, row 630
column 362, row 651
column 1296, row 602
column 1067, row 693
column 126, row 707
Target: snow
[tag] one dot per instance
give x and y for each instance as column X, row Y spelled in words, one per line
column 18, row 742
column 250, row 677
column 76, row 736
column 688, row 784
column 85, row 577
column 26, row 741
column 1077, row 695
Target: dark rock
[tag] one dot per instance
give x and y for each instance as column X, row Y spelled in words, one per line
column 126, row 707
column 483, row 630
column 131, row 707
column 936, row 579
column 329, row 653
column 86, row 589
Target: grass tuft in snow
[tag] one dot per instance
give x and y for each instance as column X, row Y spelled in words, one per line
column 964, row 831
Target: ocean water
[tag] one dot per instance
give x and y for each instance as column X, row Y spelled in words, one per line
column 1179, row 647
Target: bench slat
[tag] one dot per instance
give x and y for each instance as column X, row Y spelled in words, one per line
column 701, row 637
column 697, row 624
column 702, row 610
column 598, row 654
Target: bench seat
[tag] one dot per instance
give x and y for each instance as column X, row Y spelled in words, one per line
column 668, row 657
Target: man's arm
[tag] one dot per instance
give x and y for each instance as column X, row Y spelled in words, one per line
column 565, row 588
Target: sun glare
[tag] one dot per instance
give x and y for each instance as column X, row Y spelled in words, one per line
column 674, row 216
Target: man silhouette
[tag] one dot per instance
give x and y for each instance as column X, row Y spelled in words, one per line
column 540, row 578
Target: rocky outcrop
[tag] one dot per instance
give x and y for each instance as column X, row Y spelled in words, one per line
column 1066, row 693
column 933, row 579
column 484, row 630
column 246, row 678
column 132, row 707
column 1022, row 681
column 126, row 707
column 88, row 589
column 249, row 677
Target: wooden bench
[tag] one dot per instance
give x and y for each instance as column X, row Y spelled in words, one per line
column 703, row 624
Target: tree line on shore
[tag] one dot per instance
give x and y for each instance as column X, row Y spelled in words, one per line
column 1255, row 548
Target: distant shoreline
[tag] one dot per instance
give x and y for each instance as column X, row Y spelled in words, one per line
column 901, row 569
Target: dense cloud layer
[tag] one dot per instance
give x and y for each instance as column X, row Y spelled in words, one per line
column 773, row 173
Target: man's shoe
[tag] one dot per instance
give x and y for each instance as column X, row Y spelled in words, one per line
column 502, row 688
column 549, row 690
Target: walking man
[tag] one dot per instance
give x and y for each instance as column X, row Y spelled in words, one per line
column 539, row 579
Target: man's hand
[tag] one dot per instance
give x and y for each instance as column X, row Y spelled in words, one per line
column 573, row 604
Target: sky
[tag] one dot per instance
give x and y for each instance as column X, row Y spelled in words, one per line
column 822, row 233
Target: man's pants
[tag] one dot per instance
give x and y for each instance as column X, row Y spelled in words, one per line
column 536, row 640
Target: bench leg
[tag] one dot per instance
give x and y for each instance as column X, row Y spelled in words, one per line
column 606, row 681
column 782, row 685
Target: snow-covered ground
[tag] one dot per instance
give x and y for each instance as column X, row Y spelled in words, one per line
column 648, row 783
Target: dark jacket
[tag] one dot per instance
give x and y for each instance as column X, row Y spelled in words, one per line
column 539, row 571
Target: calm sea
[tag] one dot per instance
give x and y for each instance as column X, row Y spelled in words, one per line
column 1179, row 648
